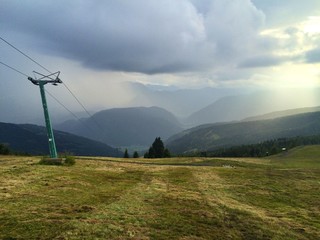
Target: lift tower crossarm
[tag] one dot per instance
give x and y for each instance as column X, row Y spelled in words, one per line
column 45, row 79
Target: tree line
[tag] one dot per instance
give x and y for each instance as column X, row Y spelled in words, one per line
column 263, row 149
column 156, row 150
column 126, row 154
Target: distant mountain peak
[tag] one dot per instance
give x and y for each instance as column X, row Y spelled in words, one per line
column 127, row 126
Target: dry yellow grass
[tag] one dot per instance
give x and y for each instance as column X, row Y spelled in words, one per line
column 182, row 198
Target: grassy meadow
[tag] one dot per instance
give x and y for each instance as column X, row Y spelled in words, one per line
column 178, row 198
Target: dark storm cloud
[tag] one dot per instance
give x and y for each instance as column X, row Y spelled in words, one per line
column 138, row 36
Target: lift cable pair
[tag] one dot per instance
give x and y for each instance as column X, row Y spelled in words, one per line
column 54, row 79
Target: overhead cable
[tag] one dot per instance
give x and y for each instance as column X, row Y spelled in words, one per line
column 61, row 104
column 11, row 45
column 40, row 65
column 14, row 69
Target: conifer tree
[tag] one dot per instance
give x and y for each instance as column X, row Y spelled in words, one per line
column 158, row 147
column 135, row 154
column 157, row 150
column 166, row 153
column 151, row 153
column 126, row 154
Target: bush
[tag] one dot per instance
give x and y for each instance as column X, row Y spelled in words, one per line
column 66, row 159
column 4, row 150
column 45, row 160
column 69, row 160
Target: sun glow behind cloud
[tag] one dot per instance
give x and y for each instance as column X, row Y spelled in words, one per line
column 299, row 76
column 312, row 25
column 294, row 42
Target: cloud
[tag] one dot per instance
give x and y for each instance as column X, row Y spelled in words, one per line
column 313, row 56
column 261, row 61
column 139, row 36
column 295, row 44
column 284, row 12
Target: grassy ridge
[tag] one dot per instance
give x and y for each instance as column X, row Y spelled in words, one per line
column 182, row 198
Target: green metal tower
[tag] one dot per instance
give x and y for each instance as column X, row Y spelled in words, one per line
column 53, row 79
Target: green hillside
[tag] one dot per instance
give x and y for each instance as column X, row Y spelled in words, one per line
column 32, row 139
column 262, row 149
column 299, row 157
column 177, row 198
column 214, row 136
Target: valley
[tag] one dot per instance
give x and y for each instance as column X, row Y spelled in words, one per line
column 136, row 127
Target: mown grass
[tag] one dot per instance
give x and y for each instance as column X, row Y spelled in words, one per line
column 180, row 198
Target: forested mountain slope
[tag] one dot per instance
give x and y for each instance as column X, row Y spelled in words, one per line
column 214, row 136
column 32, row 139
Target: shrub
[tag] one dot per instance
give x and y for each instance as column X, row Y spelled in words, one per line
column 4, row 150
column 45, row 160
column 69, row 160
column 65, row 159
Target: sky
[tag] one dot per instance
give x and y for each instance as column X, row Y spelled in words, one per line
column 97, row 44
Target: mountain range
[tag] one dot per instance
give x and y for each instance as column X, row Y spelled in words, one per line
column 177, row 110
column 180, row 102
column 137, row 127
column 192, row 107
column 32, row 139
column 134, row 126
column 213, row 136
column 236, row 108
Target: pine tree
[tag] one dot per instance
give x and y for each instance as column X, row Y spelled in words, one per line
column 158, row 147
column 151, row 153
column 126, row 154
column 166, row 153
column 157, row 150
column 135, row 154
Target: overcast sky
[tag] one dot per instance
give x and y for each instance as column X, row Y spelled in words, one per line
column 188, row 43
